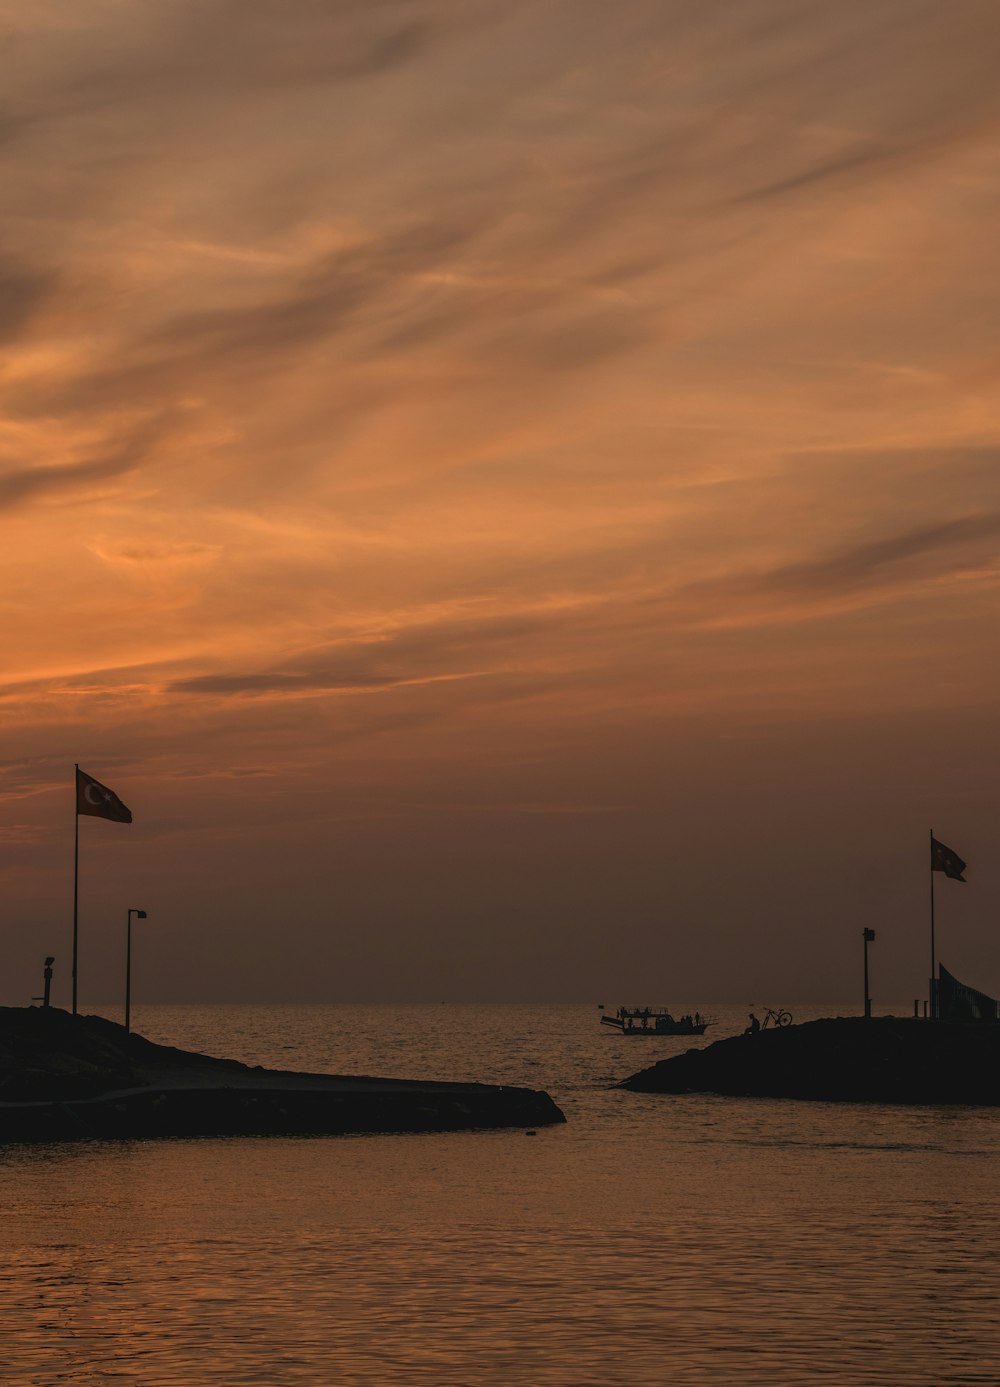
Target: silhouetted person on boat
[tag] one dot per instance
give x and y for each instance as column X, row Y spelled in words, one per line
column 753, row 1027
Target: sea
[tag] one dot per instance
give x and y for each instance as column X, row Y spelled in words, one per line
column 650, row 1240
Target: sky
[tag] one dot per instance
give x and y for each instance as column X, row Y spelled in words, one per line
column 508, row 493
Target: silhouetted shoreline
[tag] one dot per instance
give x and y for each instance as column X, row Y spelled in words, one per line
column 66, row 1077
column 886, row 1059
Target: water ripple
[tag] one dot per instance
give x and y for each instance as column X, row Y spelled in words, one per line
column 688, row 1240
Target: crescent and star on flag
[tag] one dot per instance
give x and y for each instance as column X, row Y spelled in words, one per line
column 98, row 801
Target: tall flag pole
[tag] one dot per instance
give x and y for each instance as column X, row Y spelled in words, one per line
column 76, row 876
column 933, row 983
column 943, row 859
column 96, row 801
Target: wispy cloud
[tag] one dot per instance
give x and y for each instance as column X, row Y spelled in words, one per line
column 452, row 648
column 20, row 485
column 884, row 570
column 957, row 544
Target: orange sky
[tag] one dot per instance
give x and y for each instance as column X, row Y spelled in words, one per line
column 508, row 493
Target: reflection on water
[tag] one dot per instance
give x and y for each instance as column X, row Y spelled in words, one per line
column 651, row 1240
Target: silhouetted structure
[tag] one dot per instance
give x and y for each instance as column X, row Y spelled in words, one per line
column 868, row 936
column 959, row 1002
column 94, row 801
column 81, row 1077
column 46, row 997
column 946, row 860
column 656, row 1021
column 884, row 1059
column 139, row 915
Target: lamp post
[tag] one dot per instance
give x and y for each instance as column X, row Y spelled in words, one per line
column 868, row 935
column 139, row 915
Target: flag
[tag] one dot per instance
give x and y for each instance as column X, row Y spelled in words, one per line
column 944, row 860
column 96, row 799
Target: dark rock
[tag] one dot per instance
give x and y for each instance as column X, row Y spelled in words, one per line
column 884, row 1059
column 64, row 1077
column 46, row 1053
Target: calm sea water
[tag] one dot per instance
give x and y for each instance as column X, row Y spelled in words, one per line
column 652, row 1240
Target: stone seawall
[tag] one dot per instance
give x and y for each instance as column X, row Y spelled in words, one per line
column 275, row 1111
column 66, row 1077
column 884, row 1059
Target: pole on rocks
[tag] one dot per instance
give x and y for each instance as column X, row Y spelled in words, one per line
column 46, row 997
column 97, row 801
column 139, row 915
column 933, row 981
column 867, row 935
column 76, row 873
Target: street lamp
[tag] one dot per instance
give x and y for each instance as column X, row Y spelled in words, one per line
column 868, row 935
column 139, row 915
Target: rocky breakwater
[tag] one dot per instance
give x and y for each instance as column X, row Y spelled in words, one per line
column 885, row 1059
column 65, row 1077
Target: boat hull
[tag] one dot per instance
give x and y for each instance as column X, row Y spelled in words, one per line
column 654, row 1029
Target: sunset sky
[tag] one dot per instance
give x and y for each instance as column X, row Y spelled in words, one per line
column 507, row 491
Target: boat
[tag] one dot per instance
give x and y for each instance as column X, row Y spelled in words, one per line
column 656, row 1021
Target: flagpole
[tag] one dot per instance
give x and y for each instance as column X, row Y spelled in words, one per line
column 76, row 869
column 933, row 988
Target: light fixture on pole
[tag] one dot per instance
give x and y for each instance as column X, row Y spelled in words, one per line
column 868, row 935
column 139, row 915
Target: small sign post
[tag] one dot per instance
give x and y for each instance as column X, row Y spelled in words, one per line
column 46, row 997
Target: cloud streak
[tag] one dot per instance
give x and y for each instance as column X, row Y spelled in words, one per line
column 449, row 648
column 18, row 486
column 956, row 544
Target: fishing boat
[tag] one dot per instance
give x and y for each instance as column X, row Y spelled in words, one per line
column 656, row 1021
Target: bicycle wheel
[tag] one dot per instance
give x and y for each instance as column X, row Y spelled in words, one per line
column 783, row 1018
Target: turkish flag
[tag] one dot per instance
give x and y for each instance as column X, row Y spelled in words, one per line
column 96, row 799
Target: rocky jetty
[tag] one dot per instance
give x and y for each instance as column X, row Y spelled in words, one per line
column 66, row 1077
column 885, row 1059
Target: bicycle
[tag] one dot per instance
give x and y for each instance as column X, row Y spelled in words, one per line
column 777, row 1018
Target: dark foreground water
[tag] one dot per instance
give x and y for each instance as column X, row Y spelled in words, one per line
column 652, row 1240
